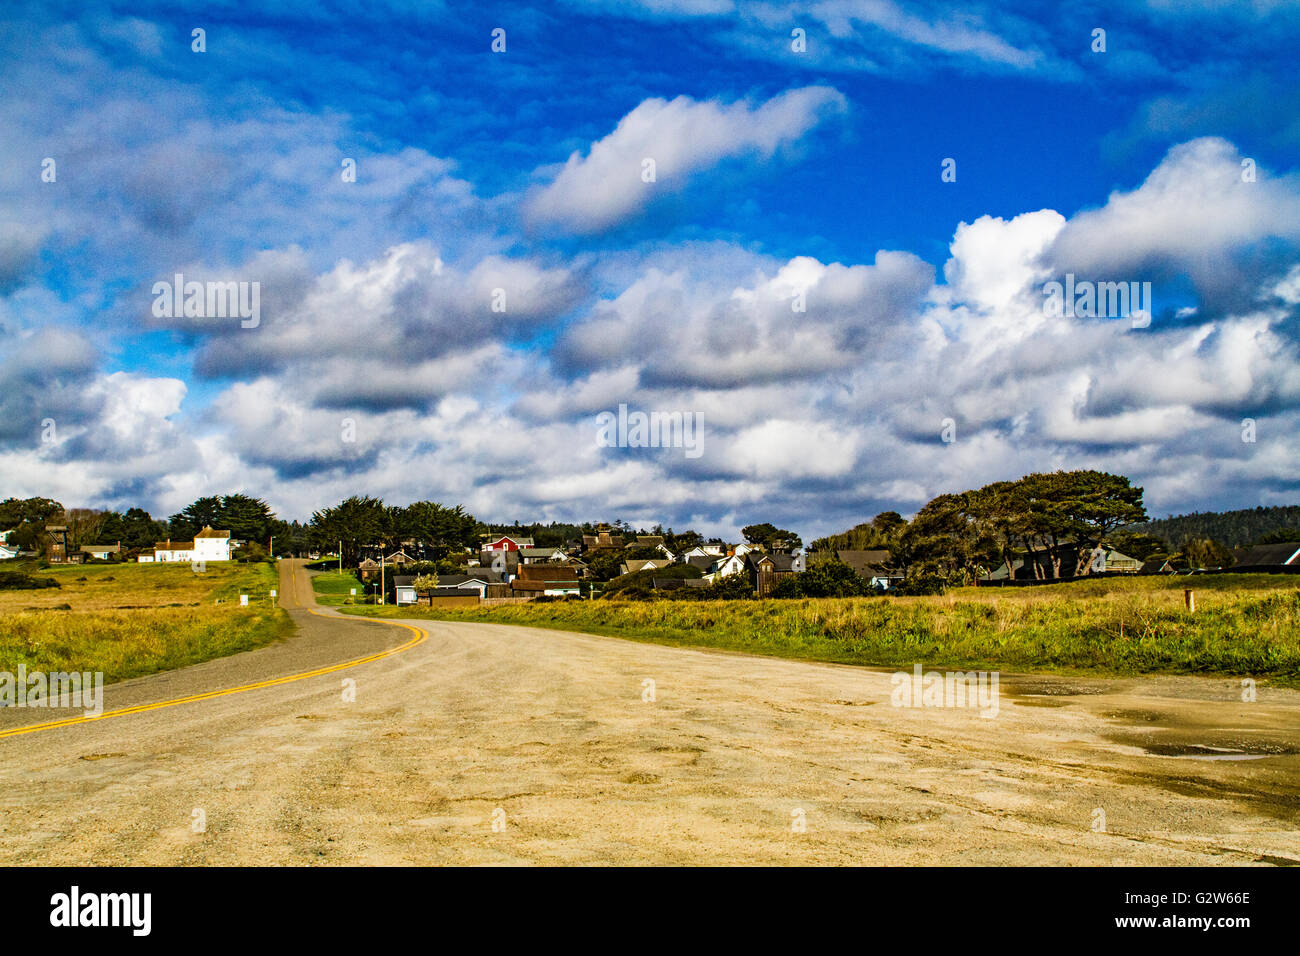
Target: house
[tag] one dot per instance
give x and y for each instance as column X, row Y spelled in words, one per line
column 655, row 541
column 167, row 551
column 484, row 583
column 503, row 561
column 603, row 538
column 7, row 550
column 404, row 592
column 709, row 551
column 507, row 542
column 542, row 556
column 788, row 563
column 633, row 565
column 399, row 558
column 766, row 569
column 873, row 565
column 1268, row 557
column 404, row 589
column 762, row 572
column 368, row 568
column 101, row 552
column 745, row 548
column 726, row 567
column 208, row 545
column 56, row 548
column 702, row 561
column 551, row 579
column 1112, row 561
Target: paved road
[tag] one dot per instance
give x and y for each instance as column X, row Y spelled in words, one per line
column 549, row 734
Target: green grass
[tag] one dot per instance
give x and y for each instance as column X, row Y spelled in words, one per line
column 127, row 620
column 332, row 588
column 1243, row 625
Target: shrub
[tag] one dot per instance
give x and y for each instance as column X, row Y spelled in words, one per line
column 18, row 581
column 920, row 584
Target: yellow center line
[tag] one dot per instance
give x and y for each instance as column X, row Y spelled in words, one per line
column 420, row 637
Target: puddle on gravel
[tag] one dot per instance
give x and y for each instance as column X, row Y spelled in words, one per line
column 1188, row 754
column 1206, row 752
column 1041, row 702
column 1052, row 687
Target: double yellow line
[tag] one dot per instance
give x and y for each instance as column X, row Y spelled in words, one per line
column 419, row 638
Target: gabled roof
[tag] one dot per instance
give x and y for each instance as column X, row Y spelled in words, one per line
column 519, row 584
column 1274, row 555
column 701, row 561
column 207, row 532
column 170, row 545
column 459, row 580
column 641, row 564
column 522, row 542
column 870, row 563
column 548, row 573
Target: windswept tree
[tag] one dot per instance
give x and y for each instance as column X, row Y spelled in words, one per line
column 946, row 539
column 441, row 528
column 771, row 538
column 356, row 523
column 882, row 531
column 26, row 518
column 245, row 517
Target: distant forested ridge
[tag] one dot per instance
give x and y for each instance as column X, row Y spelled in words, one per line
column 1236, row 529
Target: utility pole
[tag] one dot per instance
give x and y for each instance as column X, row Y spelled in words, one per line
column 383, row 589
column 340, row 555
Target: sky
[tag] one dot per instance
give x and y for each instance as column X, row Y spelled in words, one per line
column 824, row 232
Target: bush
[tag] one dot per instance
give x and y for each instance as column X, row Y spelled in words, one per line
column 18, row 581
column 920, row 584
column 826, row 579
column 251, row 553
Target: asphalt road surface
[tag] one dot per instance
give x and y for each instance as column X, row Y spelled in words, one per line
column 477, row 743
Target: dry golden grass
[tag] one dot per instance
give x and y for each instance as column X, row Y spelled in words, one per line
column 125, row 620
column 1245, row 624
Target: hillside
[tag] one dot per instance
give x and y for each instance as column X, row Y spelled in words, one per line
column 1234, row 528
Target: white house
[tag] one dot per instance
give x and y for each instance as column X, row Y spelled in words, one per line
column 542, row 556
column 726, row 567
column 702, row 551
column 208, row 545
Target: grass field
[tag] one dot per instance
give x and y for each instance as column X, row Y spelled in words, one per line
column 1244, row 625
column 333, row 588
column 126, row 620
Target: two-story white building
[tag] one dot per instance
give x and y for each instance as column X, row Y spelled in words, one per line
column 208, row 545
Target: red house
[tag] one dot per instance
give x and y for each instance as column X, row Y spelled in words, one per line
column 507, row 543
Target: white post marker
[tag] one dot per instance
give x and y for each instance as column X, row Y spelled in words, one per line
column 272, row 592
column 352, row 591
column 243, row 600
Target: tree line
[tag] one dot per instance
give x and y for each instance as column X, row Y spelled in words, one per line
column 1054, row 522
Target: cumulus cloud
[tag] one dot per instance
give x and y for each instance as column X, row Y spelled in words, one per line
column 682, row 137
column 1196, row 214
column 804, row 319
column 397, row 331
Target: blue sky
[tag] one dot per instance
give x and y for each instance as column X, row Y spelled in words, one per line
column 779, row 173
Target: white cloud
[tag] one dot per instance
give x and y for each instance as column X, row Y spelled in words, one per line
column 682, row 136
